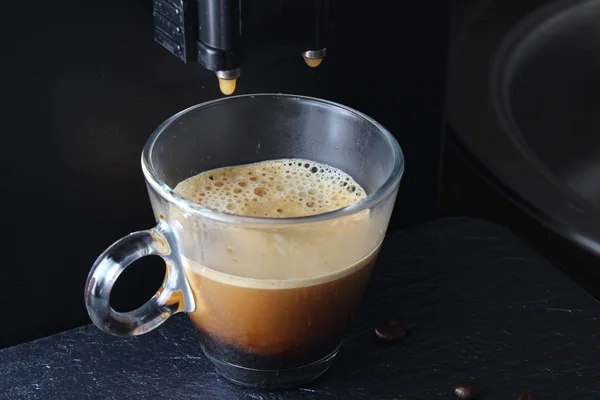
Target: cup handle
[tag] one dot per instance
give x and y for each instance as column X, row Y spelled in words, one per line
column 174, row 295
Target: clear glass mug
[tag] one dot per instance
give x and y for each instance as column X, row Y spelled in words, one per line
column 275, row 326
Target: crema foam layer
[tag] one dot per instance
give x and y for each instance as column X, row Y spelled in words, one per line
column 273, row 189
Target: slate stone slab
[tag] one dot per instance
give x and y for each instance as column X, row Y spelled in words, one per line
column 487, row 309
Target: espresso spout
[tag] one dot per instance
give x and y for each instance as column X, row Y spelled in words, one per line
column 318, row 33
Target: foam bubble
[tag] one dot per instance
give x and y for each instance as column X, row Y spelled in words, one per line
column 273, row 189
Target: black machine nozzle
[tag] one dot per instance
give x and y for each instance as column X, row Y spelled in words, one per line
column 210, row 33
column 219, row 40
column 318, row 33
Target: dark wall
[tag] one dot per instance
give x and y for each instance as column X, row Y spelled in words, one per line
column 82, row 86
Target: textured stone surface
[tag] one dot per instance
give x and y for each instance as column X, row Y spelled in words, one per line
column 487, row 310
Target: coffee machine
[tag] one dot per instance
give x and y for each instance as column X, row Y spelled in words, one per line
column 209, row 32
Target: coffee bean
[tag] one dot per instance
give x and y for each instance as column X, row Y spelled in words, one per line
column 407, row 326
column 465, row 390
column 527, row 396
column 390, row 333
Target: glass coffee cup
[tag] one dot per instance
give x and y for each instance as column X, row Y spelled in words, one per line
column 270, row 297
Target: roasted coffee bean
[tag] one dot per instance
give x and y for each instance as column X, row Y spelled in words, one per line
column 407, row 326
column 390, row 333
column 465, row 390
column 527, row 396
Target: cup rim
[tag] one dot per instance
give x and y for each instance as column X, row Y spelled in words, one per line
column 372, row 200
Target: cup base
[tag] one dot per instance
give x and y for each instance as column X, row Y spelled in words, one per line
column 273, row 379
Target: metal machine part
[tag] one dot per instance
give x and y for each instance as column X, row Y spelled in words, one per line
column 313, row 58
column 318, row 32
column 176, row 26
column 209, row 32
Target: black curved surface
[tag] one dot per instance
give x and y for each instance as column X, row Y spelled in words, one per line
column 524, row 100
column 487, row 309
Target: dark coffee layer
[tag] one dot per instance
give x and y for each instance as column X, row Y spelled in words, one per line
column 278, row 322
column 292, row 358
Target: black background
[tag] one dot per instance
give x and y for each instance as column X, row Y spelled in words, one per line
column 82, row 86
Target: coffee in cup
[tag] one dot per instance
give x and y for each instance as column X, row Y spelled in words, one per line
column 277, row 299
